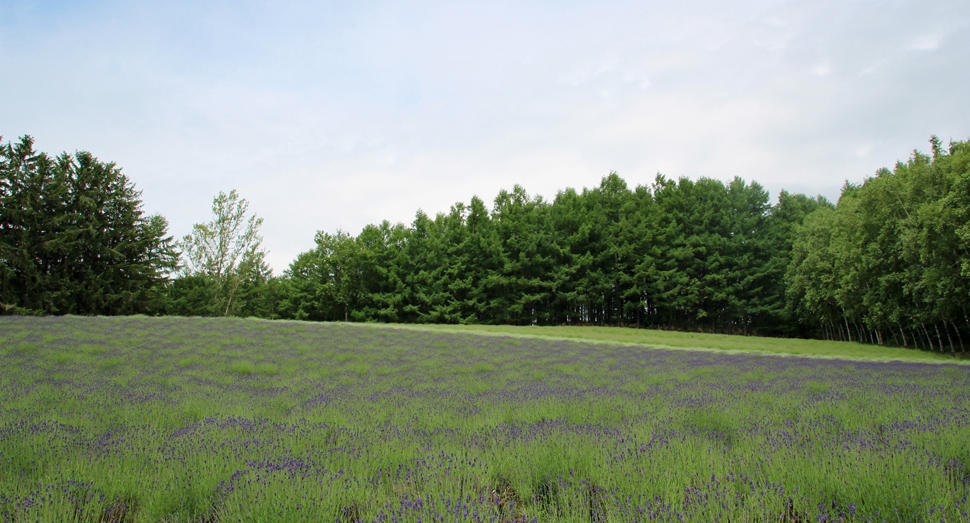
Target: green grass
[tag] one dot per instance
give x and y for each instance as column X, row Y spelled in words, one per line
column 701, row 341
column 243, row 367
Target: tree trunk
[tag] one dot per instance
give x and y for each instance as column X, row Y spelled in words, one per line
column 228, row 304
column 928, row 338
column 947, row 335
column 916, row 340
column 901, row 331
column 847, row 327
column 959, row 337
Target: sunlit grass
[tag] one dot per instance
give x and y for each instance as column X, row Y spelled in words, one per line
column 719, row 342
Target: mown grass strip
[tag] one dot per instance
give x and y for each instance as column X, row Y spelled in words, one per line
column 702, row 341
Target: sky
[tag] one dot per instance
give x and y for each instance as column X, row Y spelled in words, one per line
column 335, row 115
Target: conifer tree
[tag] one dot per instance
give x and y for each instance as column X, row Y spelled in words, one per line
column 74, row 238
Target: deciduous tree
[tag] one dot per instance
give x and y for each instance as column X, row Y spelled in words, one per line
column 227, row 251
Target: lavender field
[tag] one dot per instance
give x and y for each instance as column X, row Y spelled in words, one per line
column 219, row 420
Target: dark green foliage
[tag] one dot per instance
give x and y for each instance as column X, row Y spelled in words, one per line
column 74, row 239
column 688, row 255
column 192, row 296
column 257, row 294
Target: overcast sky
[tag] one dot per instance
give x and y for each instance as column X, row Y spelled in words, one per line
column 328, row 115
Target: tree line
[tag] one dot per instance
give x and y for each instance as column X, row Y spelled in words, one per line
column 678, row 254
column 889, row 261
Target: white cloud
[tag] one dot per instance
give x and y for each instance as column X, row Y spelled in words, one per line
column 926, row 42
column 821, row 69
column 863, row 151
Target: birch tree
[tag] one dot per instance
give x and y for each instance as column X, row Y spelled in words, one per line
column 228, row 250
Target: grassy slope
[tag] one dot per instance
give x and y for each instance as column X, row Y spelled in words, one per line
column 718, row 342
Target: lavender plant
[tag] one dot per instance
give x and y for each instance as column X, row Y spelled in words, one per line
column 189, row 419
